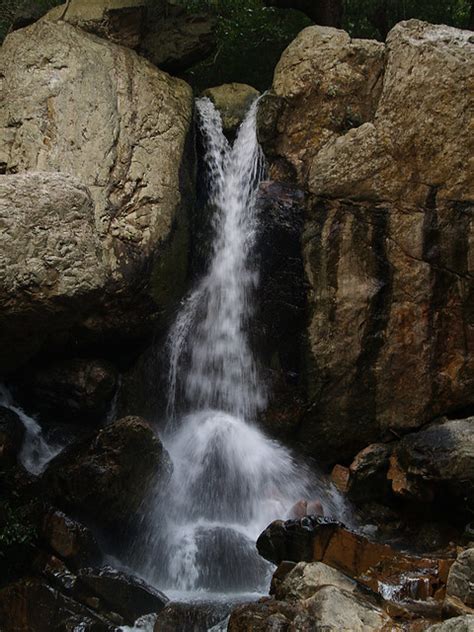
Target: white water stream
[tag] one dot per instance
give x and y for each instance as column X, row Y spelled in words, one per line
column 230, row 480
column 36, row 452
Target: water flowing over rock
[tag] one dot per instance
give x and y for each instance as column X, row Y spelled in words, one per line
column 12, row 433
column 380, row 137
column 232, row 100
column 106, row 116
column 228, row 477
column 101, row 477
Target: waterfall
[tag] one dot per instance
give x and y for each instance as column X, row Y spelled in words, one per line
column 229, row 479
column 36, row 452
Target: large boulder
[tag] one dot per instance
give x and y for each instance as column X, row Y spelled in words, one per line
column 51, row 268
column 106, row 476
column 437, row 463
column 460, row 586
column 330, row 608
column 380, row 137
column 164, row 32
column 85, row 107
column 126, row 594
column 31, row 605
column 232, row 100
column 120, row 21
column 457, row 624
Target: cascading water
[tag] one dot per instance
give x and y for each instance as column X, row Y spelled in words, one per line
column 36, row 451
column 229, row 479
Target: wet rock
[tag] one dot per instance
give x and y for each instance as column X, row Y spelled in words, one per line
column 125, row 594
column 233, row 553
column 460, row 584
column 330, row 608
column 69, row 539
column 270, row 615
column 437, row 462
column 194, row 617
column 336, row 609
column 281, row 307
column 70, row 390
column 31, row 605
column 457, row 624
column 305, row 579
column 370, row 563
column 387, row 246
column 12, row 433
column 340, row 477
column 368, row 474
column 232, row 100
column 102, row 478
column 113, row 231
column 306, row 508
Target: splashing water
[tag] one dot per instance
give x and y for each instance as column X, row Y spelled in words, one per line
column 36, row 452
column 229, row 479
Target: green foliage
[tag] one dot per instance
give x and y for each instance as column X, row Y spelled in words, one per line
column 366, row 18
column 16, row 528
column 250, row 40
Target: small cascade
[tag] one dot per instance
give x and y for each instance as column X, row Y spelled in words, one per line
column 36, row 451
column 229, row 479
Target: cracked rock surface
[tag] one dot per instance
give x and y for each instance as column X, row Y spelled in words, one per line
column 381, row 137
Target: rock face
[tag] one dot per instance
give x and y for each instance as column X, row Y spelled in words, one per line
column 461, row 579
column 232, row 100
column 12, row 433
column 104, row 115
column 50, row 258
column 380, row 137
column 175, row 40
column 130, row 596
column 457, row 624
column 80, row 389
column 106, row 476
column 164, row 32
column 31, row 605
column 70, row 540
column 120, row 21
column 437, row 462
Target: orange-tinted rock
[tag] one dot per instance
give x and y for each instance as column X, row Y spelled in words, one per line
column 69, row 539
column 340, row 477
column 368, row 473
column 378, row 566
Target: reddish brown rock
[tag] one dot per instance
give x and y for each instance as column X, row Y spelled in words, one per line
column 368, row 474
column 340, row 477
column 373, row 564
column 69, row 539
